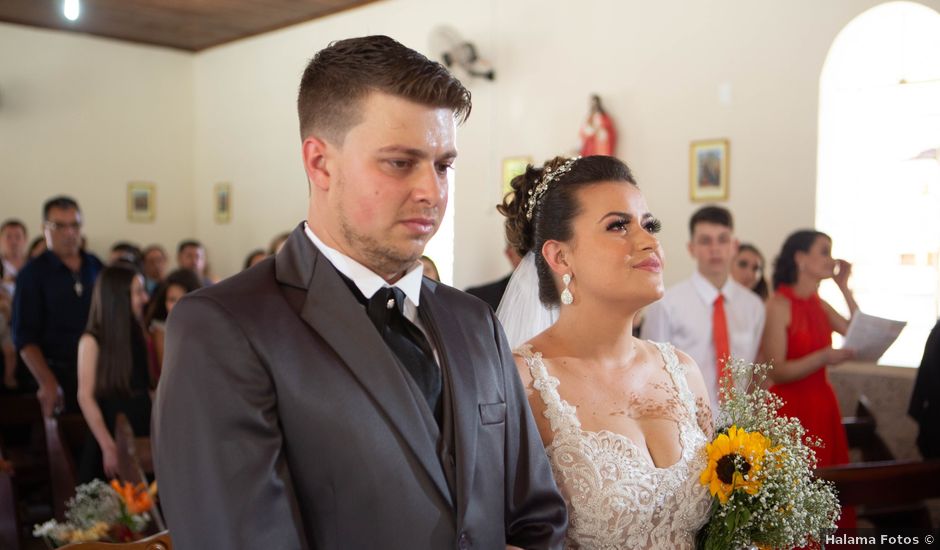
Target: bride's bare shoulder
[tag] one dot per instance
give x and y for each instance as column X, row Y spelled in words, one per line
column 693, row 374
column 525, row 354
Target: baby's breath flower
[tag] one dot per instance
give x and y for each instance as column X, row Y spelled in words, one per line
column 789, row 507
column 91, row 514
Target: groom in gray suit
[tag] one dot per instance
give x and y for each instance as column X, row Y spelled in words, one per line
column 332, row 397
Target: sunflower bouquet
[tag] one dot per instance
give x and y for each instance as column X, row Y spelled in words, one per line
column 115, row 512
column 760, row 472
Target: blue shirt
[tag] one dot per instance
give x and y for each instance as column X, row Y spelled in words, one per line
column 47, row 309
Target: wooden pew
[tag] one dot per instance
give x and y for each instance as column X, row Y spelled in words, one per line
column 160, row 541
column 63, row 434
column 861, row 431
column 9, row 518
column 19, row 410
column 22, row 413
column 135, row 460
column 134, row 454
column 887, row 493
column 24, row 497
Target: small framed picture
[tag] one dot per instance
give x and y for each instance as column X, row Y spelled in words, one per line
column 141, row 202
column 512, row 167
column 708, row 170
column 222, row 201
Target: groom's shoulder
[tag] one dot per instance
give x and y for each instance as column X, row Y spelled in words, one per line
column 243, row 288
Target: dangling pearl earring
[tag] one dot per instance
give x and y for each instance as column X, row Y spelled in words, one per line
column 566, row 297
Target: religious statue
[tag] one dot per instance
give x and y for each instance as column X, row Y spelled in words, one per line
column 598, row 135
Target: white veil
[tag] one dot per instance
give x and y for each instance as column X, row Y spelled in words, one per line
column 520, row 311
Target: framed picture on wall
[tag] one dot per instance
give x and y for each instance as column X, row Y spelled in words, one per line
column 222, row 202
column 141, row 202
column 512, row 167
column 708, row 170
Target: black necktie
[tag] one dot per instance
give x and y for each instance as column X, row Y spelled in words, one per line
column 407, row 342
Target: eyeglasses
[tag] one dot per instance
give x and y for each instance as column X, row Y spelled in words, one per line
column 56, row 226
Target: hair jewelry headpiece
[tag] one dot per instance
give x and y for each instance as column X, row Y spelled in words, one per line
column 539, row 190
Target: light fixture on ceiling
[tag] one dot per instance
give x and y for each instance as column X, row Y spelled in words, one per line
column 71, row 9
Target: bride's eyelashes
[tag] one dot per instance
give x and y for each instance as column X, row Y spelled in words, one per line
column 618, row 224
column 651, row 225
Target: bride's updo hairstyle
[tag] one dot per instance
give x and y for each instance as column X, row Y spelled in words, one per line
column 529, row 223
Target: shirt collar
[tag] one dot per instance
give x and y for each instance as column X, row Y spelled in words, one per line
column 57, row 262
column 707, row 291
column 366, row 280
column 8, row 267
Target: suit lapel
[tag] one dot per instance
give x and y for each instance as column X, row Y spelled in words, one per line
column 332, row 311
column 453, row 350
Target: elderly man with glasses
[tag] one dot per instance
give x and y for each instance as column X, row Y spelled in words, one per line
column 50, row 308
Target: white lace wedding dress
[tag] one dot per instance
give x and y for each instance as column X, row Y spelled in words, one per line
column 617, row 498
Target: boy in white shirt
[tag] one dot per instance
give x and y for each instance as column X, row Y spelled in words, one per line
column 687, row 314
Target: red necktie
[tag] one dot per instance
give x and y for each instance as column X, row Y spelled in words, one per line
column 720, row 336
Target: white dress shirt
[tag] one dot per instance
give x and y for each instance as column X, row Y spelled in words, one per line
column 684, row 318
column 9, row 272
column 368, row 282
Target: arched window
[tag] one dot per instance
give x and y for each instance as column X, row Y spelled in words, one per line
column 879, row 110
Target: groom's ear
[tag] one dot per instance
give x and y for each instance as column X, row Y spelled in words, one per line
column 555, row 254
column 316, row 152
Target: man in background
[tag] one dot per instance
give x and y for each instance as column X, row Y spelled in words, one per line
column 125, row 252
column 191, row 255
column 154, row 267
column 12, row 252
column 12, row 259
column 492, row 293
column 925, row 398
column 709, row 315
column 50, row 307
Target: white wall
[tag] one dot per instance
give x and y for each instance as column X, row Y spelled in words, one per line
column 657, row 65
column 84, row 116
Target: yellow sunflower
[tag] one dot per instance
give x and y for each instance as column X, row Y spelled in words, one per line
column 734, row 462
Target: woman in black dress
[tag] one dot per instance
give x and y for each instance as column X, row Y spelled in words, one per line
column 113, row 366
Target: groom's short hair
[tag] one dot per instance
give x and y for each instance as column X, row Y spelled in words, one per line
column 344, row 73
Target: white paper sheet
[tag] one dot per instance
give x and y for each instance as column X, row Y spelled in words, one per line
column 869, row 336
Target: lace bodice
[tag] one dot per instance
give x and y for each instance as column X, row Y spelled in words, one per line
column 616, row 497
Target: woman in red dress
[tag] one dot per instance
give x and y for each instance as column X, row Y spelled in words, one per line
column 798, row 340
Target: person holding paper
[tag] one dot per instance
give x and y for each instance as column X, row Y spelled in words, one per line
column 798, row 341
column 798, row 338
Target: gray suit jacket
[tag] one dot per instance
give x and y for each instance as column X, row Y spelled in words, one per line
column 282, row 420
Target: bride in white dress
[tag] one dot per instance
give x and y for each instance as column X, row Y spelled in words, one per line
column 624, row 421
